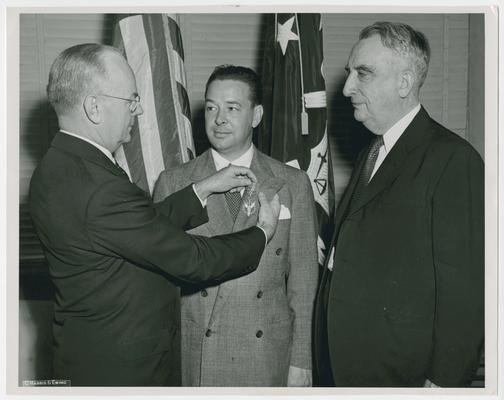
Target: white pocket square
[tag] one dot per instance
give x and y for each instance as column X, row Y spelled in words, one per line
column 284, row 212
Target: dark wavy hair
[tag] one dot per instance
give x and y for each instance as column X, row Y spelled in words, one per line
column 238, row 73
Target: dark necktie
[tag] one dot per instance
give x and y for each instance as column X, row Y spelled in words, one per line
column 122, row 171
column 234, row 201
column 367, row 170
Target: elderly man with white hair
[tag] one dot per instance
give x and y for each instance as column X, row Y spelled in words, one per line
column 401, row 300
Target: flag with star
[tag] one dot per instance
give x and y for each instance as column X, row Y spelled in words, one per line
column 162, row 136
column 294, row 127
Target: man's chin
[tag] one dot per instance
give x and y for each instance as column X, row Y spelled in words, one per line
column 219, row 142
column 359, row 115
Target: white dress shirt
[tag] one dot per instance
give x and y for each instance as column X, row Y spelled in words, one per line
column 392, row 136
column 243, row 161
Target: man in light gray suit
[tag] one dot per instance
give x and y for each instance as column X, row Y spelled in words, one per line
column 255, row 330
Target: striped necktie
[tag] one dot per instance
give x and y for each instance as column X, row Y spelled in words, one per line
column 367, row 170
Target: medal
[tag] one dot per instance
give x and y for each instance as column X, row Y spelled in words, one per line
column 249, row 200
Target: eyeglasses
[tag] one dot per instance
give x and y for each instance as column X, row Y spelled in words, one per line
column 133, row 102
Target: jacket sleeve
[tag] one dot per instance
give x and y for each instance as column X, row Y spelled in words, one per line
column 303, row 272
column 165, row 185
column 122, row 222
column 458, row 243
column 182, row 207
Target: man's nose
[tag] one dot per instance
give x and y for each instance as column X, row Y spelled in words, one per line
column 349, row 87
column 220, row 117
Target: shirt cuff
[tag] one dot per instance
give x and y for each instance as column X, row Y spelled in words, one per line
column 265, row 236
column 203, row 202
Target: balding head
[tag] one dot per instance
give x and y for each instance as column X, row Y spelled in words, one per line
column 76, row 72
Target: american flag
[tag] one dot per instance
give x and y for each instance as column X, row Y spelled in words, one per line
column 162, row 135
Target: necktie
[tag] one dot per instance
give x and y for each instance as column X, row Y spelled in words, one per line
column 234, row 201
column 367, row 170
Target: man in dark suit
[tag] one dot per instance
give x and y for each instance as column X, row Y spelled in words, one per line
column 114, row 257
column 401, row 300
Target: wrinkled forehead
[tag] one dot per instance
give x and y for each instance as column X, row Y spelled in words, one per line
column 371, row 51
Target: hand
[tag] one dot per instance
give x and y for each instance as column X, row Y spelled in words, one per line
column 268, row 214
column 299, row 377
column 231, row 177
column 430, row 384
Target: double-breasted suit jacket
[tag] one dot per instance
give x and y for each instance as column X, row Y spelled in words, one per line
column 113, row 258
column 246, row 332
column 404, row 302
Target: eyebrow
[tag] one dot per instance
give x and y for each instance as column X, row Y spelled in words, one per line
column 361, row 68
column 365, row 68
column 230, row 102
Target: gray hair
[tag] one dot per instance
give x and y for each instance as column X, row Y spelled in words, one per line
column 406, row 41
column 77, row 71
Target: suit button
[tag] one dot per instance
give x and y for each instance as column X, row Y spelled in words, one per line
column 259, row 294
column 259, row 334
column 278, row 251
column 204, row 293
column 208, row 333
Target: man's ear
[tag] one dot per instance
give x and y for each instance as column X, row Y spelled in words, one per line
column 92, row 109
column 406, row 82
column 258, row 113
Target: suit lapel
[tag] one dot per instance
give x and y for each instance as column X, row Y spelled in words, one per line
column 346, row 200
column 414, row 135
column 269, row 185
column 342, row 211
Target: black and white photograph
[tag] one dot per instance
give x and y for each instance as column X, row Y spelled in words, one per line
column 252, row 200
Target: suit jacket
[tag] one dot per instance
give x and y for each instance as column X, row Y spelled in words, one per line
column 246, row 332
column 113, row 258
column 404, row 301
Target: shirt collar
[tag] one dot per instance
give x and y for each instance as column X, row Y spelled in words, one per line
column 394, row 133
column 243, row 161
column 99, row 147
